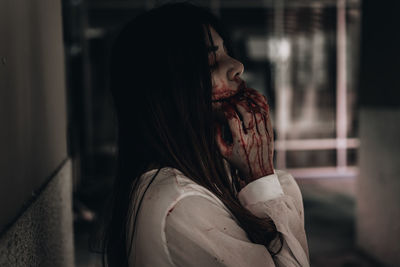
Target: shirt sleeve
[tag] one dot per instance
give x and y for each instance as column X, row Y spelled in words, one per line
column 281, row 200
column 261, row 190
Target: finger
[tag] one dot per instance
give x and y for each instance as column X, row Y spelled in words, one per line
column 258, row 106
column 268, row 127
column 271, row 139
column 256, row 95
column 260, row 124
column 261, row 140
column 267, row 144
column 264, row 126
column 247, row 116
column 259, row 99
column 224, row 148
column 234, row 122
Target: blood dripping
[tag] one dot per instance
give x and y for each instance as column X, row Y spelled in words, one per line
column 253, row 103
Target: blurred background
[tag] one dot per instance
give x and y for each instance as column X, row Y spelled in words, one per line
column 303, row 55
column 329, row 70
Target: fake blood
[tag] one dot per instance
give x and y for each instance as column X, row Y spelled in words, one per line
column 170, row 210
column 222, row 92
column 255, row 105
column 245, row 152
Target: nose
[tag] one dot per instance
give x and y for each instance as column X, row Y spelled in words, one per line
column 236, row 69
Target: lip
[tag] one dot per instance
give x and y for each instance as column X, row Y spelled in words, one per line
column 240, row 90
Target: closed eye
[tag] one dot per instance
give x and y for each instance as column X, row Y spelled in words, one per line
column 212, row 49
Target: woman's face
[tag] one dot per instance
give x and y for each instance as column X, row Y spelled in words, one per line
column 225, row 70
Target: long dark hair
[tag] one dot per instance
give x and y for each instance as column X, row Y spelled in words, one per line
column 161, row 86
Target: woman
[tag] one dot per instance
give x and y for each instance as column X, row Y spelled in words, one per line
column 195, row 184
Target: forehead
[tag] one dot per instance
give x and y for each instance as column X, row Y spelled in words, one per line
column 216, row 38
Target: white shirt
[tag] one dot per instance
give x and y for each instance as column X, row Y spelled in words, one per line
column 181, row 223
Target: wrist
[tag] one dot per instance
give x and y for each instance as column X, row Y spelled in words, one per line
column 261, row 173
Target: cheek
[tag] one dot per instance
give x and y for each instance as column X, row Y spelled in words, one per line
column 220, row 89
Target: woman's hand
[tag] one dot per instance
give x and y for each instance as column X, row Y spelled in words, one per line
column 251, row 151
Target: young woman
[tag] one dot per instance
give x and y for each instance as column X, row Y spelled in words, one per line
column 196, row 184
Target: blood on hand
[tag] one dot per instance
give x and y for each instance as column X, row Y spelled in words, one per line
column 250, row 147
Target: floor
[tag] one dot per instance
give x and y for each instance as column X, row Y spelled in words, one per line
column 329, row 218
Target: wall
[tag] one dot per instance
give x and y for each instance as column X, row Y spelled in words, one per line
column 378, row 225
column 35, row 202
column 42, row 235
column 378, row 189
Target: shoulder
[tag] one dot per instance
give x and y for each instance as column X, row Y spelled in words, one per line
column 171, row 185
column 160, row 204
column 168, row 187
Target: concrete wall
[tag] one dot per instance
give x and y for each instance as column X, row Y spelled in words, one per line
column 378, row 189
column 35, row 202
column 378, row 225
column 42, row 235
